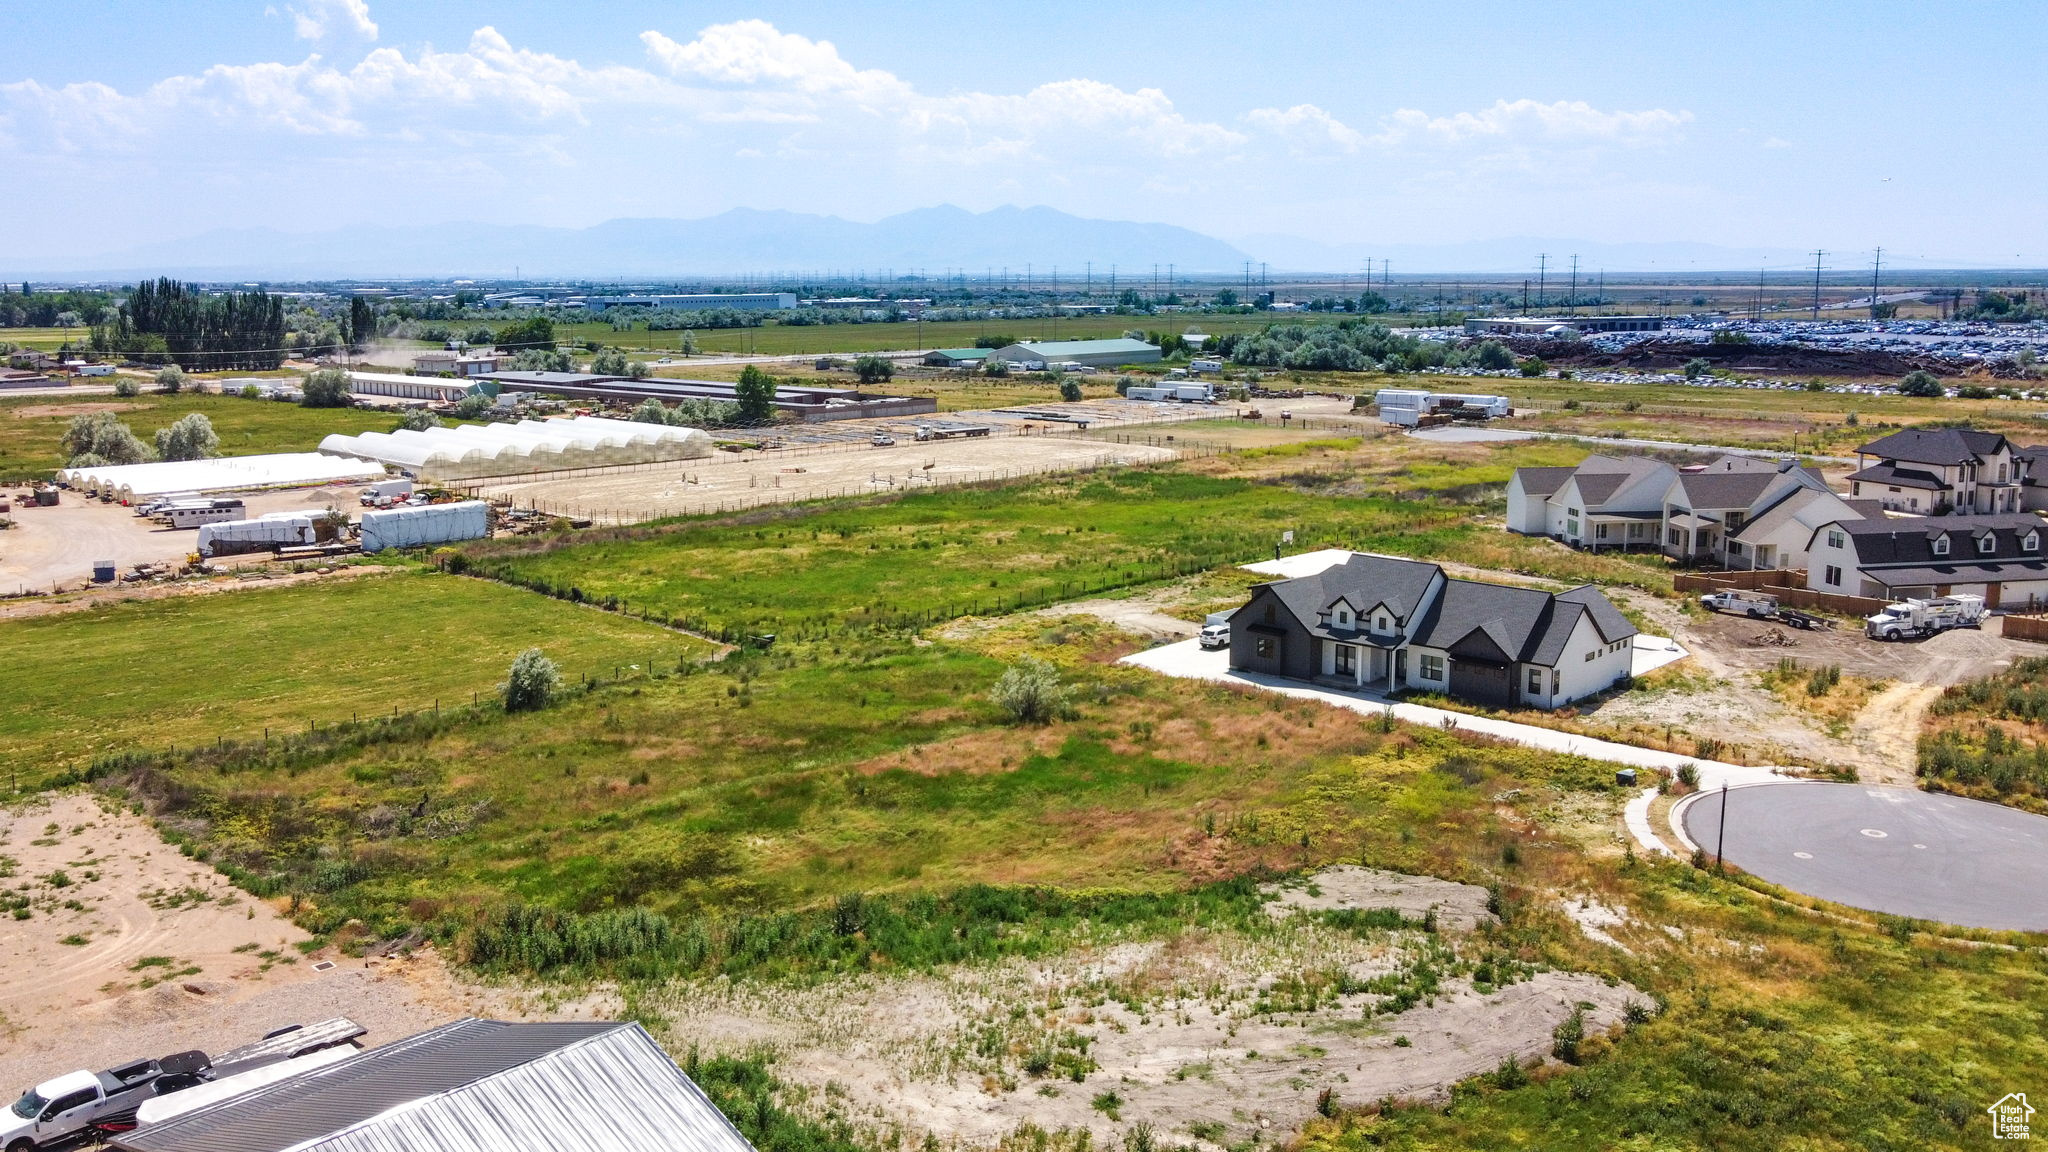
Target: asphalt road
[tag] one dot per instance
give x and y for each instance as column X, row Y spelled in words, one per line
column 1896, row 850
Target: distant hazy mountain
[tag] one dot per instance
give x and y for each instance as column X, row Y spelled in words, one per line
column 934, row 240
column 1516, row 255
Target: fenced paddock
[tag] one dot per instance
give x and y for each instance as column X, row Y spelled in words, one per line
column 734, row 482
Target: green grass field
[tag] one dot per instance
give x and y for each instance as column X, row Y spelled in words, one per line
column 32, row 427
column 190, row 669
column 782, row 340
column 44, row 339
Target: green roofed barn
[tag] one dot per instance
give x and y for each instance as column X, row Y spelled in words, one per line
column 956, row 357
column 1093, row 353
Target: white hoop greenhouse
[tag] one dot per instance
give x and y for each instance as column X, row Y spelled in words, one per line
column 222, row 474
column 471, row 450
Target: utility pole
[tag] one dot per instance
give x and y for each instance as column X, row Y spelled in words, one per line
column 1088, row 278
column 1817, row 254
column 1875, row 266
column 1542, row 279
column 1757, row 313
column 1574, row 298
column 1525, row 295
column 1721, row 836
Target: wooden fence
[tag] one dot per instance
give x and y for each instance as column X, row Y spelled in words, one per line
column 1785, row 584
column 2027, row 628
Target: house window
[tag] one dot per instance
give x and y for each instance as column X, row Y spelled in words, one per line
column 1556, row 681
column 1432, row 668
column 1591, row 655
column 1600, row 531
column 1382, row 625
column 2031, row 542
column 1986, row 543
column 1735, row 547
column 1941, row 545
column 1343, row 617
column 1535, row 681
column 1347, row 660
column 1266, row 648
column 1675, row 538
column 1834, row 539
column 1832, row 574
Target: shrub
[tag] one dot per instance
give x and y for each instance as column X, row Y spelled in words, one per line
column 126, row 387
column 171, row 379
column 418, row 420
column 1689, row 775
column 1070, row 390
column 1030, row 691
column 1920, row 382
column 532, row 682
column 1696, row 368
column 870, row 370
column 1534, row 366
column 191, row 438
column 1493, row 356
column 1566, row 1037
column 327, row 388
column 251, row 392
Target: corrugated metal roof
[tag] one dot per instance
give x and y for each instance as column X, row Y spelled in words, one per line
column 470, row 1086
column 1055, row 349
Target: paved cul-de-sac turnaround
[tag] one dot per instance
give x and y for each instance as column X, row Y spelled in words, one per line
column 1895, row 850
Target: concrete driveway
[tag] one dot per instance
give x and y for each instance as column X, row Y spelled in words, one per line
column 1187, row 660
column 1895, row 850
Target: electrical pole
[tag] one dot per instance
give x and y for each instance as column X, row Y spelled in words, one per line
column 1542, row 279
column 1525, row 295
column 1573, row 300
column 1721, row 836
column 1817, row 254
column 1875, row 265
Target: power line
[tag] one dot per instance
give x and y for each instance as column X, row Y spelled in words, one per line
column 1817, row 254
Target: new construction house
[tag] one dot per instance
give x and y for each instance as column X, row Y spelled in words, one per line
column 1383, row 624
column 1695, row 513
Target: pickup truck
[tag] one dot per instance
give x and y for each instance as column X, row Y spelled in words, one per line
column 71, row 1106
column 1756, row 605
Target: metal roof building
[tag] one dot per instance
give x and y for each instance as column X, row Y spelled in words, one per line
column 470, row 1086
column 1094, row 353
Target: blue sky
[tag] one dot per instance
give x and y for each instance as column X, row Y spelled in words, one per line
column 1783, row 125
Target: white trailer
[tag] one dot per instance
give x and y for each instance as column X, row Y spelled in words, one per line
column 1910, row 619
column 423, row 524
column 193, row 513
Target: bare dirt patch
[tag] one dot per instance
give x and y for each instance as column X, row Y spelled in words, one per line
column 45, row 411
column 1458, row 906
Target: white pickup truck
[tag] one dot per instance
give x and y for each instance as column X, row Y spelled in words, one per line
column 1757, row 605
column 61, row 1110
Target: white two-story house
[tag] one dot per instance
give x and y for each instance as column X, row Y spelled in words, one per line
column 1940, row 472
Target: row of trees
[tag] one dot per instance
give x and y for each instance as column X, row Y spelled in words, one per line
column 101, row 439
column 166, row 321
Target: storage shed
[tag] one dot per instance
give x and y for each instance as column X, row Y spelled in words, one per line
column 470, row 1086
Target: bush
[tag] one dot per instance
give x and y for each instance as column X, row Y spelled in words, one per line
column 1696, row 368
column 418, row 420
column 1030, row 691
column 1493, row 356
column 249, row 392
column 126, row 387
column 1534, row 366
column 871, row 370
column 1920, row 382
column 532, row 683
column 171, row 380
column 610, row 362
column 1070, row 390
column 327, row 388
column 1566, row 1037
column 191, row 438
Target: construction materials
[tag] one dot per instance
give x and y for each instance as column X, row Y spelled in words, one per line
column 1912, row 619
column 420, row 525
column 950, row 431
column 1415, row 408
column 264, row 534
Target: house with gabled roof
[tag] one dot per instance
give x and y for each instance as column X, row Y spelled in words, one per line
column 2003, row 558
column 1604, row 502
column 1940, row 472
column 1707, row 504
column 1778, row 531
column 1386, row 625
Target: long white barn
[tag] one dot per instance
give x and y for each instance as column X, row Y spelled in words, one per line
column 471, row 450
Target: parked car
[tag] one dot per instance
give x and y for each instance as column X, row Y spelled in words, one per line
column 1214, row 636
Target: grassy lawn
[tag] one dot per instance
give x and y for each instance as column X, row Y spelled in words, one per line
column 32, row 426
column 189, row 669
column 44, row 339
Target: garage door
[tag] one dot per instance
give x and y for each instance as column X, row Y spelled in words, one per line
column 1482, row 683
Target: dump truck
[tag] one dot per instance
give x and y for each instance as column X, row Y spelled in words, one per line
column 1911, row 619
column 1757, row 605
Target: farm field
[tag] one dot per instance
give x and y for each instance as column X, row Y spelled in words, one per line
column 187, row 670
column 781, row 340
column 32, row 427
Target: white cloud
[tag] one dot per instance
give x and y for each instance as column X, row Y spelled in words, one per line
column 316, row 19
column 1777, row 142
column 1308, row 126
column 1529, row 122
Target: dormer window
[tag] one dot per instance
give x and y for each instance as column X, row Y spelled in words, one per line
column 2031, row 542
column 1941, row 545
column 1986, row 543
column 1343, row 617
column 1382, row 625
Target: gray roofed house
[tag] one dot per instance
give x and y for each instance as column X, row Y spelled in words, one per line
column 469, row 1086
column 1944, row 471
column 1385, row 624
column 1604, row 502
column 2003, row 558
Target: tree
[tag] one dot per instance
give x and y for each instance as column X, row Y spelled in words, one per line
column 1070, row 389
column 1920, row 382
column 1534, row 366
column 1494, row 356
column 473, row 405
column 755, row 392
column 991, row 366
column 689, row 345
column 610, row 362
column 1002, row 341
column 872, row 370
column 191, row 438
column 538, row 332
column 171, row 379
column 327, row 388
column 1696, row 368
column 636, row 370
column 99, row 438
column 542, row 360
column 532, row 682
column 126, row 386
column 1227, row 298
column 418, row 420
column 650, row 411
column 362, row 322
column 1030, row 691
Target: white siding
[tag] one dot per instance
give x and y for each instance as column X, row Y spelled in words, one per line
column 1527, row 514
column 1588, row 665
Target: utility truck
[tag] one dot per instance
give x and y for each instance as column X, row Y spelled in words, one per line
column 1911, row 619
column 1757, row 605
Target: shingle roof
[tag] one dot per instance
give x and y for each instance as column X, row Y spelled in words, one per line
column 1543, row 481
column 1529, row 625
column 1794, row 504
column 1900, row 477
column 1909, row 541
column 1724, row 489
column 1365, row 581
column 470, row 1086
column 1935, row 445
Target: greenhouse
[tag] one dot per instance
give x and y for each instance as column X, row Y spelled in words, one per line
column 127, row 482
column 467, row 451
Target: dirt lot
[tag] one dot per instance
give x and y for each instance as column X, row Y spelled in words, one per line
column 142, row 951
column 1194, row 1035
column 56, row 545
column 727, row 482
